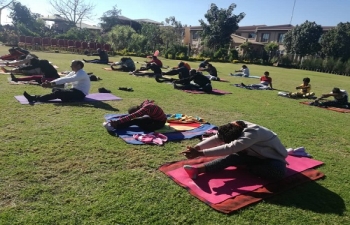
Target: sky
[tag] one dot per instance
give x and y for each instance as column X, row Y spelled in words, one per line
column 267, row 12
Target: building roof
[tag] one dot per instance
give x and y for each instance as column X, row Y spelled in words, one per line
column 276, row 27
column 148, row 21
column 240, row 40
column 249, row 28
column 87, row 26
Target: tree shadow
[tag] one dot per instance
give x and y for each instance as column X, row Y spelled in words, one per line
column 94, row 104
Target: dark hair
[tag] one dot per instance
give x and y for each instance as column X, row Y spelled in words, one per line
column 133, row 109
column 80, row 63
column 231, row 131
column 266, row 73
column 244, row 66
column 181, row 64
column 336, row 90
column 193, row 72
column 93, row 78
column 154, row 57
column 210, row 65
column 306, row 79
column 34, row 62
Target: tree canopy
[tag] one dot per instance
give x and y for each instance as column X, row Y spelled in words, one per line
column 303, row 39
column 222, row 23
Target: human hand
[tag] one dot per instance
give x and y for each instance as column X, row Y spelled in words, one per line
column 192, row 152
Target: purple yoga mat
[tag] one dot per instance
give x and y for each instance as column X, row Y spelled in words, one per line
column 89, row 98
column 215, row 91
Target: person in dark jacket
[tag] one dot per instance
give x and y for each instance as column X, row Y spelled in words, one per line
column 103, row 57
column 201, row 82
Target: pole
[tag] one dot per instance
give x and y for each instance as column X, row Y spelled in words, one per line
column 292, row 12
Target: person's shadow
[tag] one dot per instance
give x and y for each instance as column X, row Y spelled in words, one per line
column 93, row 104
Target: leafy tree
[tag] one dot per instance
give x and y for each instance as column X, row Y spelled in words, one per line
column 336, row 42
column 3, row 5
column 120, row 36
column 271, row 47
column 171, row 32
column 111, row 18
column 221, row 25
column 73, row 10
column 152, row 33
column 304, row 39
column 137, row 43
column 79, row 34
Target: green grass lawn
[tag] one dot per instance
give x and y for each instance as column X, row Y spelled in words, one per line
column 58, row 165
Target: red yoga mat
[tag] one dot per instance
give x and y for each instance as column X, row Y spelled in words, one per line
column 335, row 109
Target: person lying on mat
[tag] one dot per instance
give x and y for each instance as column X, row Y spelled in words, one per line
column 241, row 143
column 203, row 65
column 185, row 65
column 181, row 70
column 148, row 116
column 201, row 82
column 23, row 66
column 265, row 82
column 126, row 64
column 43, row 66
column 304, row 90
column 340, row 99
column 80, row 86
column 103, row 57
column 244, row 72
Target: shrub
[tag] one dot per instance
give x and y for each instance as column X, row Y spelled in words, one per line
column 235, row 61
column 286, row 61
column 347, row 67
column 328, row 64
column 181, row 56
column 339, row 67
column 220, row 54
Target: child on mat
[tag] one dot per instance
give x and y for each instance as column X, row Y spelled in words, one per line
column 244, row 72
column 201, row 82
column 242, row 144
column 340, row 99
column 265, row 82
column 148, row 116
column 304, row 90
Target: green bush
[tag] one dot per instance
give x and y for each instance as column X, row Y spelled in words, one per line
column 347, row 67
column 181, row 56
column 339, row 67
column 286, row 61
column 328, row 64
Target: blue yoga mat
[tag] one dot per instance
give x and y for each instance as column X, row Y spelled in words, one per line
column 127, row 134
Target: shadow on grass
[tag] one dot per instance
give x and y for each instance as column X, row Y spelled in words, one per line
column 312, row 197
column 95, row 104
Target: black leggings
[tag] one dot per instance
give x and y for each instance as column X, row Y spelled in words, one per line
column 145, row 123
column 265, row 168
column 66, row 95
column 207, row 88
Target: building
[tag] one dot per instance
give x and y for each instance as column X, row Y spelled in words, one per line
column 258, row 35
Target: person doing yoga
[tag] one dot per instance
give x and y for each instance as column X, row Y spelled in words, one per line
column 201, row 82
column 126, row 64
column 304, row 90
column 241, row 143
column 265, row 82
column 340, row 99
column 49, row 72
column 103, row 57
column 148, row 116
column 80, row 86
column 156, row 70
column 244, row 72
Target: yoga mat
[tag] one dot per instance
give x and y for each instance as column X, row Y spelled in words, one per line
column 254, row 77
column 89, row 98
column 215, row 92
column 335, row 109
column 108, row 69
column 127, row 134
column 250, row 88
column 232, row 189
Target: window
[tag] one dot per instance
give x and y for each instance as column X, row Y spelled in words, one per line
column 280, row 38
column 195, row 35
column 251, row 35
column 265, row 37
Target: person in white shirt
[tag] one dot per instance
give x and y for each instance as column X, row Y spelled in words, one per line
column 340, row 99
column 242, row 144
column 80, row 86
column 244, row 72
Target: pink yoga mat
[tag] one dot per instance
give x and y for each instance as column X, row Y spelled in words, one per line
column 89, row 98
column 216, row 188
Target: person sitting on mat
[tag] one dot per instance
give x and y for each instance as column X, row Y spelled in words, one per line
column 103, row 57
column 203, row 65
column 244, row 72
column 80, row 86
column 156, row 61
column 304, row 90
column 48, row 71
column 15, row 54
column 213, row 73
column 185, row 65
column 157, row 71
column 148, row 116
column 181, row 70
column 201, row 82
column 242, row 144
column 265, row 82
column 126, row 65
column 340, row 99
column 23, row 66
